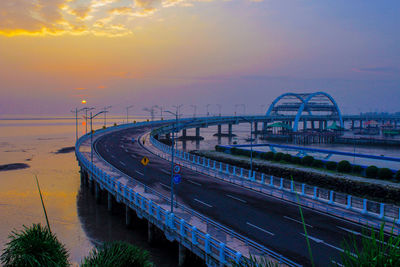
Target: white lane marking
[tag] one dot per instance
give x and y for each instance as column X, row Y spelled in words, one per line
column 113, row 156
column 259, row 228
column 241, row 200
column 205, row 204
column 192, row 182
column 317, row 240
column 126, row 150
column 140, row 173
column 337, row 263
column 286, row 217
column 133, row 156
column 165, row 185
column 166, row 172
column 350, row 231
column 122, row 163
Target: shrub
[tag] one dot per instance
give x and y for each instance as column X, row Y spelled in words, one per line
column 269, row 155
column 296, row 160
column 278, row 156
column 307, row 160
column 234, row 151
column 344, row 166
column 357, row 169
column 34, row 246
column 115, row 124
column 331, row 165
column 318, row 163
column 287, row 158
column 371, row 171
column 219, row 148
column 117, row 254
column 397, row 175
column 385, row 174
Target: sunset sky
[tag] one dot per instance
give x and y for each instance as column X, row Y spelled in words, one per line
column 54, row 53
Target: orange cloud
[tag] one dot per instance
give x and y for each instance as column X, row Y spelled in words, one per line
column 80, row 88
column 101, row 87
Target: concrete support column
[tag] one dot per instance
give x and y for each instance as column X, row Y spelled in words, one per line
column 361, row 124
column 230, row 129
column 168, row 136
column 184, row 132
column 352, row 124
column 219, row 129
column 255, row 127
column 97, row 193
column 312, row 125
column 128, row 216
column 325, row 124
column 150, row 233
column 109, row 201
column 197, row 132
column 182, row 255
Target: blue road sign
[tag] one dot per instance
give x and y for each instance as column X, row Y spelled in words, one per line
column 177, row 178
column 177, row 169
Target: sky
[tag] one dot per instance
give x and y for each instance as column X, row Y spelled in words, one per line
column 54, row 53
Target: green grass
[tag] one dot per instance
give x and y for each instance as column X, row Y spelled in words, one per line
column 34, row 246
column 117, row 254
column 374, row 250
column 255, row 262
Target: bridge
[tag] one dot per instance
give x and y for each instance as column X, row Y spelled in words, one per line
column 222, row 213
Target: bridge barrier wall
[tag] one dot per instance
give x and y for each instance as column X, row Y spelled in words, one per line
column 175, row 228
column 338, row 204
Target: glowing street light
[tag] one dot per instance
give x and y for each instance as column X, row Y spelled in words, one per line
column 84, row 101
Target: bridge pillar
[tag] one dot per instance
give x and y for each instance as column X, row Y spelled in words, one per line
column 168, row 136
column 361, row 126
column 255, row 127
column 91, row 187
column 97, row 193
column 325, row 124
column 320, row 125
column 352, row 124
column 312, row 125
column 197, row 132
column 184, row 133
column 182, row 255
column 151, row 233
column 109, row 201
column 128, row 216
column 219, row 129
column 230, row 129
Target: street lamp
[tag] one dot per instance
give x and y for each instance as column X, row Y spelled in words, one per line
column 151, row 111
column 219, row 109
column 86, row 109
column 76, row 111
column 91, row 134
column 172, row 157
column 194, row 110
column 127, row 113
column 161, row 110
column 105, row 112
column 207, row 108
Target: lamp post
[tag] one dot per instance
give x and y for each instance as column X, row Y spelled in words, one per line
column 172, row 157
column 219, row 109
column 194, row 110
column 86, row 109
column 207, row 109
column 76, row 111
column 161, row 110
column 127, row 113
column 151, row 111
column 91, row 134
column 236, row 106
column 105, row 109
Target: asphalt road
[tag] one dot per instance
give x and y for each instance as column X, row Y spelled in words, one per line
column 274, row 223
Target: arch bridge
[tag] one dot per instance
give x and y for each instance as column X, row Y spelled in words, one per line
column 293, row 108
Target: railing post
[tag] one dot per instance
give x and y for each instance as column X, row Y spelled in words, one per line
column 348, row 202
column 281, row 185
column 291, row 186
column 182, row 227
column 220, row 166
column 315, row 192
column 234, row 170
column 238, row 257
column 364, row 206
column 262, row 178
column 194, row 234
column 271, row 182
column 207, row 244
column 227, row 168
column 204, row 161
column 382, row 210
column 222, row 253
column 303, row 189
column 331, row 197
column 249, row 176
column 241, row 172
column 214, row 165
column 208, row 163
column 158, row 213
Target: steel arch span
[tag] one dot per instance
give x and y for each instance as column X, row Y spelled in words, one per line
column 295, row 104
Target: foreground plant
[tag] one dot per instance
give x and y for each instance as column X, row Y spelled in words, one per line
column 117, row 254
column 256, row 262
column 374, row 250
column 34, row 246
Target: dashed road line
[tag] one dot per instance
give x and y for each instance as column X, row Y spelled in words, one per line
column 317, row 240
column 166, row 172
column 122, row 163
column 165, row 185
column 261, row 229
column 205, row 204
column 294, row 220
column 236, row 198
column 192, row 182
column 140, row 173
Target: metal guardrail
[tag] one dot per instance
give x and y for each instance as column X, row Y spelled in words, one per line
column 174, row 227
column 314, row 197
